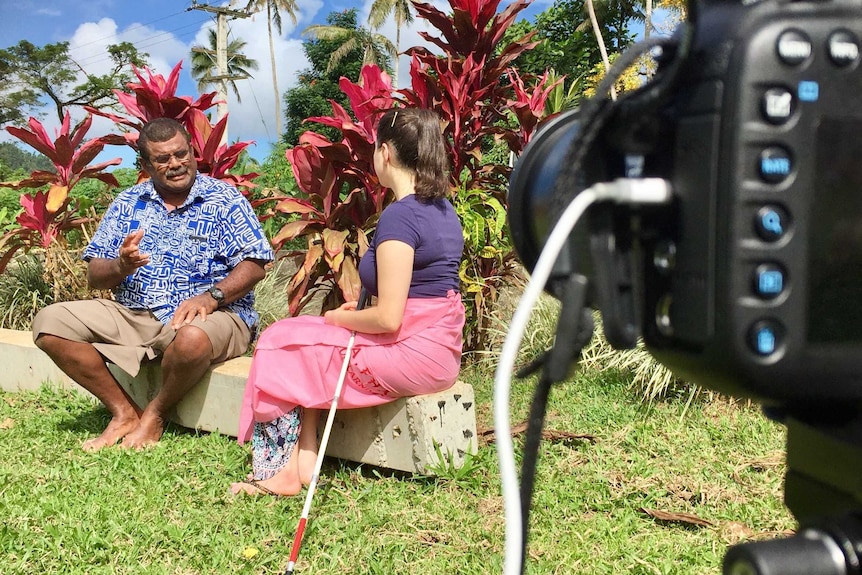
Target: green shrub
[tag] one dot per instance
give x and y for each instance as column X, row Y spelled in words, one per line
column 23, row 292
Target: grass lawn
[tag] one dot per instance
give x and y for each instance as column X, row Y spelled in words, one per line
column 167, row 510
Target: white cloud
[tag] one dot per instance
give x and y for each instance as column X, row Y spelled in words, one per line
column 254, row 118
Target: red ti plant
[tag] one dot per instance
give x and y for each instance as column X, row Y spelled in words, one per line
column 49, row 213
column 154, row 96
column 213, row 157
column 469, row 83
column 528, row 106
column 343, row 195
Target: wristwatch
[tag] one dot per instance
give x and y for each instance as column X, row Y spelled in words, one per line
column 217, row 294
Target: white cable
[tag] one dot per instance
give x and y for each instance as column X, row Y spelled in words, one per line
column 649, row 190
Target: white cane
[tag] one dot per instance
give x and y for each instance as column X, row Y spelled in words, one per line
column 312, row 486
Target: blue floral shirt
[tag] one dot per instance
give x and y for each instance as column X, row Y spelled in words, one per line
column 191, row 248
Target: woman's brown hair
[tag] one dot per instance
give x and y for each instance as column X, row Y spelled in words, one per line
column 416, row 137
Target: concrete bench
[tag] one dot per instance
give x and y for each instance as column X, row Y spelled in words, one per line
column 400, row 435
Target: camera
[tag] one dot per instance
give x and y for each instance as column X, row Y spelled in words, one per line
column 750, row 281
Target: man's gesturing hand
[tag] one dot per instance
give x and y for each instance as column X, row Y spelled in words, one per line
column 130, row 257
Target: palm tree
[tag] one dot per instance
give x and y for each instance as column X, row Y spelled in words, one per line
column 376, row 48
column 205, row 68
column 380, row 11
column 273, row 15
column 597, row 30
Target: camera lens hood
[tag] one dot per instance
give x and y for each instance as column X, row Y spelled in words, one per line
column 533, row 205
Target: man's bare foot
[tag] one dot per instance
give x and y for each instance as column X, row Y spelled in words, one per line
column 147, row 433
column 278, row 486
column 118, row 428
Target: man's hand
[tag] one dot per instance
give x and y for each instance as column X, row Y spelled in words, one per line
column 130, row 257
column 199, row 306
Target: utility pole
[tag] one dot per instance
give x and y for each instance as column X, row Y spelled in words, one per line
column 222, row 15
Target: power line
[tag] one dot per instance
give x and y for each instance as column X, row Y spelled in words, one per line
column 136, row 26
column 153, row 40
column 259, row 111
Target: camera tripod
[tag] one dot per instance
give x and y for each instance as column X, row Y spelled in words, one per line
column 823, row 490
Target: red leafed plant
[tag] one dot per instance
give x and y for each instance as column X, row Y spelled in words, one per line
column 152, row 97
column 469, row 86
column 528, row 107
column 343, row 196
column 49, row 213
column 472, row 87
column 155, row 97
column 213, row 157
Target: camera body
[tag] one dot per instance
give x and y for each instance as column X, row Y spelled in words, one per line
column 750, row 281
column 754, row 284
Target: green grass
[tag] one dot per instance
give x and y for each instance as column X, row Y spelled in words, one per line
column 167, row 510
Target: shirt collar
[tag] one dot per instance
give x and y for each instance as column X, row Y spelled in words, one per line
column 197, row 193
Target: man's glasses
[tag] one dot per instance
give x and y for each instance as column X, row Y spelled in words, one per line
column 182, row 156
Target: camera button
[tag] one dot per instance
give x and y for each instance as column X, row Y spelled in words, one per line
column 775, row 164
column 843, row 48
column 777, row 105
column 794, row 47
column 771, row 223
column 765, row 337
column 769, row 280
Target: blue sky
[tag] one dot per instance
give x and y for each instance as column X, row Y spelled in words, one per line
column 166, row 29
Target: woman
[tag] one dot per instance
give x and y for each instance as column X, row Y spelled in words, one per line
column 409, row 343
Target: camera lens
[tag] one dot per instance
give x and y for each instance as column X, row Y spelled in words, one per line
column 532, row 209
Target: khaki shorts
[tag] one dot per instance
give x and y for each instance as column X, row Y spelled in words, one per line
column 127, row 337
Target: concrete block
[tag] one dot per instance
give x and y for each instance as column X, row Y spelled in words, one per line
column 25, row 366
column 211, row 405
column 400, row 435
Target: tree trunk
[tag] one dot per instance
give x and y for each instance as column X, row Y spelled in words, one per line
column 274, row 75
column 647, row 19
column 604, row 51
column 397, row 55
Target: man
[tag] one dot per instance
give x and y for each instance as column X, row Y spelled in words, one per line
column 182, row 252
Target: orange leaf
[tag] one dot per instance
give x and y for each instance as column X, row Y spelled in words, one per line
column 56, row 196
column 348, row 280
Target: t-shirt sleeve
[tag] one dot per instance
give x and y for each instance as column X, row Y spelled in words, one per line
column 398, row 222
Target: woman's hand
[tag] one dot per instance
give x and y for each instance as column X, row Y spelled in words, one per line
column 330, row 317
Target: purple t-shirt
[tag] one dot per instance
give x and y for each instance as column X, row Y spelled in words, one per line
column 433, row 230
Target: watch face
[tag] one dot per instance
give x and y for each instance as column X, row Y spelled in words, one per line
column 217, row 294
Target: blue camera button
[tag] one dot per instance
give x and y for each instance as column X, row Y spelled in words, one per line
column 771, row 223
column 769, row 280
column 765, row 337
column 775, row 164
column 808, row 91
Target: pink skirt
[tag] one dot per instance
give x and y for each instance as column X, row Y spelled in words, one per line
column 297, row 361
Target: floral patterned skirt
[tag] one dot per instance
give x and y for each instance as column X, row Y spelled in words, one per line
column 272, row 443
